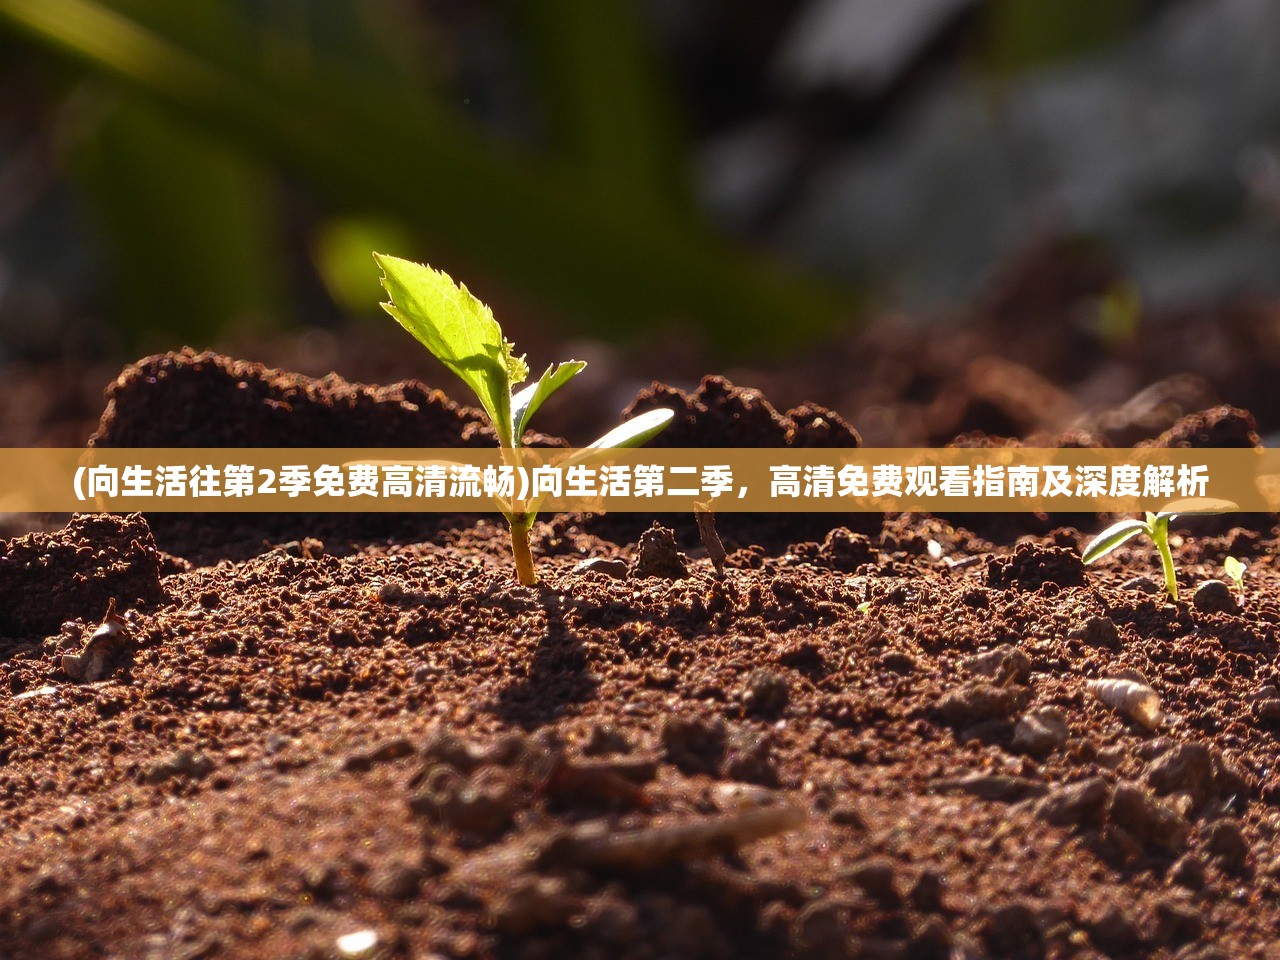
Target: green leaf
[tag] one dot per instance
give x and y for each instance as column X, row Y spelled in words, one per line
column 459, row 330
column 526, row 403
column 1112, row 537
column 635, row 432
column 1234, row 568
column 1200, row 506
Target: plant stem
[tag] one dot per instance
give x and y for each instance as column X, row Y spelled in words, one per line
column 520, row 527
column 1160, row 534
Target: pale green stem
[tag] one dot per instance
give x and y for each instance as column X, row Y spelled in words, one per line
column 1160, row 534
column 520, row 527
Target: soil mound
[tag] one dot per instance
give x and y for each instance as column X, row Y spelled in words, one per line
column 48, row 578
column 188, row 399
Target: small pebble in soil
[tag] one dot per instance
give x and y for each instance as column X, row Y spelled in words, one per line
column 1075, row 804
column 483, row 805
column 617, row 569
column 532, row 903
column 1188, row 871
column 898, row 661
column 997, row 787
column 184, row 763
column 1183, row 768
column 927, row 891
column 397, row 881
column 978, row 702
column 1225, row 842
column 1141, row 585
column 767, row 693
column 1040, row 731
column 1004, row 664
column 602, row 844
column 1152, row 821
column 1214, row 596
column 822, row 929
column 384, row 752
column 604, row 739
column 1176, row 922
column 749, row 757
column 658, row 555
column 358, row 945
column 1096, row 632
column 693, row 744
column 876, row 877
column 1267, row 712
column 1114, row 930
column 931, row 940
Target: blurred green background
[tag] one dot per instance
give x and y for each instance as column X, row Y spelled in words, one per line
column 748, row 176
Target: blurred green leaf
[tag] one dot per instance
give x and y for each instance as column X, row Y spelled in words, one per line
column 340, row 251
column 385, row 146
column 1025, row 34
column 190, row 222
column 605, row 101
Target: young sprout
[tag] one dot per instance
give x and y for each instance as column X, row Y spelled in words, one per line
column 1156, row 527
column 1234, row 568
column 463, row 335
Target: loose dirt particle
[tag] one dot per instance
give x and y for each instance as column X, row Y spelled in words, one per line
column 1041, row 731
column 1154, row 822
column 659, row 556
column 1096, row 632
column 1031, row 565
column 111, row 637
column 1076, row 804
column 978, row 702
column 1000, row 787
column 1141, row 584
column 1184, row 767
column 693, row 744
column 767, row 693
column 1214, row 596
column 1188, row 871
column 184, row 763
column 877, row 878
column 617, row 569
column 600, row 845
column 1005, row 664
column 1225, row 842
column 532, row 903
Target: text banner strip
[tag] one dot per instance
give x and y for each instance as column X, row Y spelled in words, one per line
column 1004, row 479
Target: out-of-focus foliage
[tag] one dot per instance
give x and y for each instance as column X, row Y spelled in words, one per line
column 1025, row 34
column 193, row 240
column 593, row 225
column 628, row 163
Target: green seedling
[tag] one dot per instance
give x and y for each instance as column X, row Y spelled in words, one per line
column 463, row 335
column 1156, row 527
column 1234, row 568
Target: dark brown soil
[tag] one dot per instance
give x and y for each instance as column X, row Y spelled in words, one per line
column 361, row 738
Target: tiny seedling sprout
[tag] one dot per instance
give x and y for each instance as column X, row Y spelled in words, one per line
column 1234, row 568
column 463, row 335
column 1156, row 527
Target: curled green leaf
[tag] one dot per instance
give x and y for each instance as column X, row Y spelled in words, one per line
column 526, row 403
column 1112, row 537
